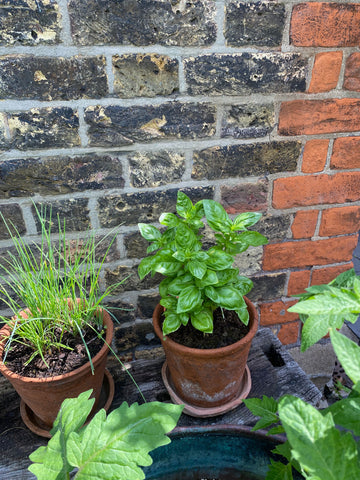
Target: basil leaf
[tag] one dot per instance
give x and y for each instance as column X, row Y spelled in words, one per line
column 171, row 323
column 246, row 219
column 189, row 299
column 149, row 232
column 145, row 267
column 203, row 320
column 183, row 205
column 226, row 297
column 216, row 216
column 169, row 219
column 197, row 269
column 219, row 260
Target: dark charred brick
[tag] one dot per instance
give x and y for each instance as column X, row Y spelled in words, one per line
column 135, row 245
column 147, row 303
column 75, row 212
column 59, row 175
column 116, row 126
column 246, row 160
column 39, row 128
column 274, row 227
column 130, row 278
column 144, row 207
column 267, row 287
column 13, row 217
column 46, row 78
column 254, row 23
column 129, row 337
column 26, row 22
column 245, row 197
column 245, row 73
column 143, row 22
column 152, row 169
column 145, row 75
column 122, row 311
column 248, row 121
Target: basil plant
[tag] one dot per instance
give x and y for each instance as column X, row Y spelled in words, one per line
column 199, row 279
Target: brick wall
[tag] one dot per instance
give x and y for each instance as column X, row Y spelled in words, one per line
column 108, row 108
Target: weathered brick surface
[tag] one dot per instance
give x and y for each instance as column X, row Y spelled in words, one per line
column 245, row 197
column 311, row 117
column 245, row 160
column 49, row 127
column 45, row 78
column 130, row 278
column 74, row 211
column 254, row 23
column 267, row 287
column 26, row 22
column 325, row 275
column 145, row 75
column 313, row 190
column 314, row 156
column 143, row 22
column 326, row 71
column 276, row 312
column 250, row 73
column 298, row 282
column 339, row 221
column 248, row 120
column 274, row 227
column 147, row 303
column 115, row 125
column 132, row 208
column 304, row 224
column 152, row 169
column 345, row 154
column 59, row 175
column 135, row 245
column 308, row 253
column 13, row 217
column 130, row 337
column 352, row 72
column 323, row 24
column 289, row 333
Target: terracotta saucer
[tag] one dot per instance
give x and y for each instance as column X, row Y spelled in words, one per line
column 194, row 411
column 37, row 426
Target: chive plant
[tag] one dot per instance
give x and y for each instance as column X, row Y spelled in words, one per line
column 58, row 285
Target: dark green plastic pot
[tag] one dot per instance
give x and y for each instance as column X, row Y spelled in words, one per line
column 214, row 453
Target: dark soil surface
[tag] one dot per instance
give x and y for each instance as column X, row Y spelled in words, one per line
column 228, row 329
column 59, row 361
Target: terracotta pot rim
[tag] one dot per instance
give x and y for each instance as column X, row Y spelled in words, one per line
column 209, row 352
column 60, row 378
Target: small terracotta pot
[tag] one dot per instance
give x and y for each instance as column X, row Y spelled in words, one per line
column 207, row 378
column 45, row 395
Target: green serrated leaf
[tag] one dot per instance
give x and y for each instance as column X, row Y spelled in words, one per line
column 348, row 353
column 279, row 471
column 149, row 232
column 346, row 413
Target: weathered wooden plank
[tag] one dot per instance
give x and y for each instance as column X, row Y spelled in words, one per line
column 273, row 371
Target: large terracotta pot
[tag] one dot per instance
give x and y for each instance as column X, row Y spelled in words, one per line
column 206, row 378
column 45, row 395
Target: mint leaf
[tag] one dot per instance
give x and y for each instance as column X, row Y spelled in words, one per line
column 279, row 471
column 348, row 354
column 266, row 408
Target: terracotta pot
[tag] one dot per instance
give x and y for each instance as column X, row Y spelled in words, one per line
column 45, row 395
column 207, row 378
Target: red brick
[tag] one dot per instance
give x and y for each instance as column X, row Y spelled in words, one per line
column 314, row 156
column 322, row 276
column 308, row 253
column 289, row 333
column 298, row 281
column 304, row 224
column 346, row 153
column 312, row 117
column 352, row 72
column 339, row 221
column 276, row 312
column 321, row 24
column 316, row 189
column 326, row 71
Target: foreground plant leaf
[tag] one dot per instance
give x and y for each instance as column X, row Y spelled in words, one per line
column 320, row 448
column 113, row 447
column 348, row 354
column 266, row 408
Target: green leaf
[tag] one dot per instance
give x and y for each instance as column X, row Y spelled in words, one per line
column 189, row 299
column 198, row 269
column 266, row 408
column 245, row 220
column 185, row 238
column 149, row 232
column 210, row 278
column 184, row 205
column 314, row 328
column 179, row 283
column 279, row 471
column 115, row 447
column 171, row 323
column 145, row 267
column 163, row 262
column 201, row 256
column 243, row 314
column 243, row 284
column 254, row 239
column 216, row 216
column 316, row 444
column 348, row 353
column 169, row 219
column 50, row 462
column 169, row 303
column 226, row 297
column 164, row 287
column 346, row 413
column 228, row 275
column 219, row 260
column 203, row 320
